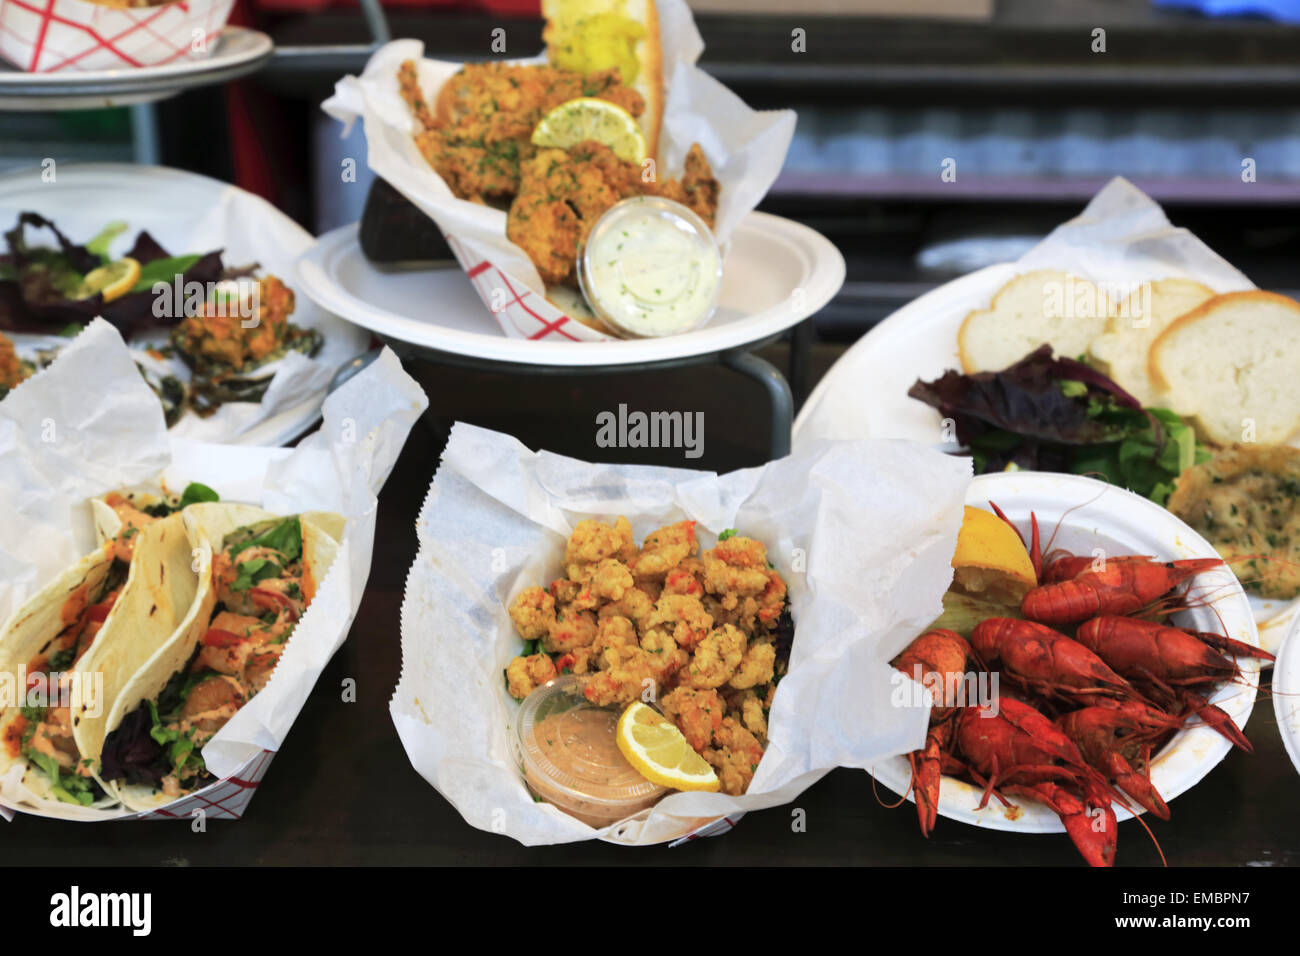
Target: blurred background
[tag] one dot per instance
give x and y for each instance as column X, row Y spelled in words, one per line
column 1032, row 104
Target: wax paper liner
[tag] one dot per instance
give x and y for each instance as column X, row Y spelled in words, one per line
column 120, row 439
column 745, row 147
column 50, row 36
column 862, row 532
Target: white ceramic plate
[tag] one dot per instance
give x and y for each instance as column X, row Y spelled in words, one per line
column 237, row 52
column 776, row 273
column 864, row 395
column 185, row 213
column 1122, row 523
column 1286, row 693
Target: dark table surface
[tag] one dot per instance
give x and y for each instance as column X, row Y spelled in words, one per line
column 342, row 791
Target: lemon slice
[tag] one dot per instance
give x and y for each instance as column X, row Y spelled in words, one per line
column 656, row 748
column 990, row 560
column 113, row 280
column 586, row 118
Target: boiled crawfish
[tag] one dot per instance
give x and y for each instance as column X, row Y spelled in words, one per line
column 1013, row 748
column 942, row 653
column 1169, row 660
column 1123, row 587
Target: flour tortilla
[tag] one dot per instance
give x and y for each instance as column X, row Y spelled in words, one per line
column 29, row 630
column 161, row 595
column 207, row 526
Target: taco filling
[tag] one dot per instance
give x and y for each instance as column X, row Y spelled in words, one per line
column 262, row 589
column 42, row 732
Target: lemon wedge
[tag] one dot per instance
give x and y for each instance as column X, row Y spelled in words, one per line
column 586, row 118
column 990, row 560
column 113, row 280
column 656, row 748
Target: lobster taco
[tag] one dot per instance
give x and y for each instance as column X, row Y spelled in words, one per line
column 67, row 653
column 257, row 575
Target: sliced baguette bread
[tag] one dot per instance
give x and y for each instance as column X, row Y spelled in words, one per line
column 1137, row 322
column 1230, row 365
column 1033, row 308
column 592, row 35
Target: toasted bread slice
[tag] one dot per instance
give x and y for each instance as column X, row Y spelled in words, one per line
column 1044, row 306
column 1230, row 366
column 1137, row 322
column 592, row 35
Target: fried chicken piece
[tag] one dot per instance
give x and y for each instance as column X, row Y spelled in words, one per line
column 481, row 128
column 525, row 674
column 697, row 189
column 563, row 192
column 698, row 714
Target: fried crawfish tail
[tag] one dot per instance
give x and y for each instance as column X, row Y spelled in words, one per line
column 1115, row 739
column 1009, row 744
column 1123, row 587
column 1045, row 662
column 938, row 655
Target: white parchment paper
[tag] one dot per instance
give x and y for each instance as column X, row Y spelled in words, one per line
column 862, row 532
column 119, row 439
column 1123, row 235
column 745, row 147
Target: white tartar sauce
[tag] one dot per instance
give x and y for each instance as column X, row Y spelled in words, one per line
column 651, row 267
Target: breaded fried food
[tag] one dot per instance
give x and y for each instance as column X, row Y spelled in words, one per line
column 698, row 631
column 563, row 192
column 481, row 128
column 13, row 370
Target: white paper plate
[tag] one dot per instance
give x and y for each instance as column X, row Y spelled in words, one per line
column 864, row 395
column 1122, row 523
column 1286, row 693
column 237, row 52
column 776, row 273
column 183, row 211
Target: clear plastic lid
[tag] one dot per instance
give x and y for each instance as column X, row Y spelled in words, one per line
column 651, row 267
column 568, row 751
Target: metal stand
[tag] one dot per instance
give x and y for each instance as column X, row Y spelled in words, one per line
column 780, row 399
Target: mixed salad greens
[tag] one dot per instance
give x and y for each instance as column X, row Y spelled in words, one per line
column 212, row 350
column 1047, row 413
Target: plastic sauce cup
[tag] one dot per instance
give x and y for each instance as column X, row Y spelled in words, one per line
column 568, row 752
column 651, row 267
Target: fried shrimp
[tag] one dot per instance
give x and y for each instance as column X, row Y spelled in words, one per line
column 663, row 622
